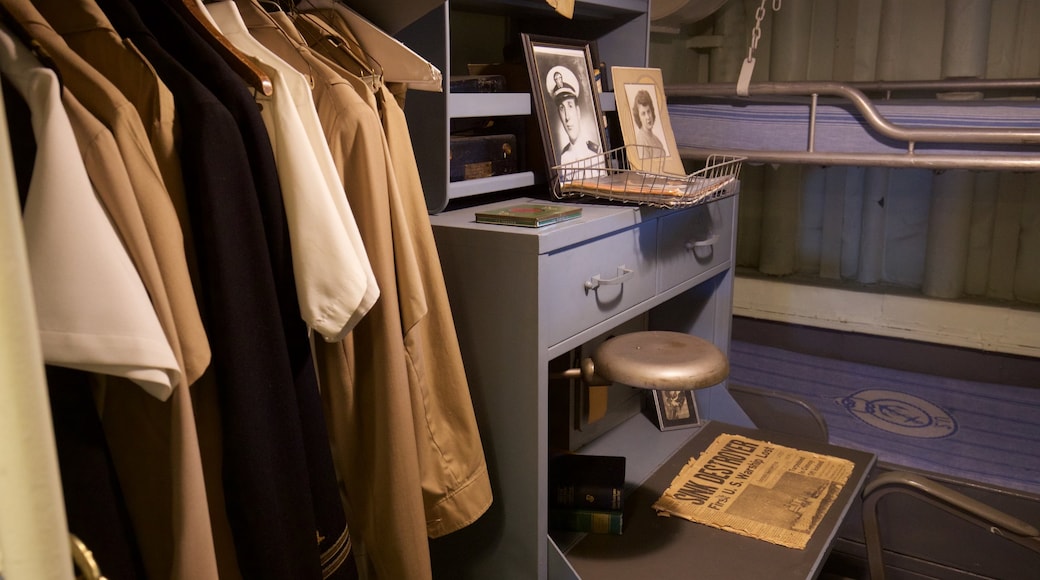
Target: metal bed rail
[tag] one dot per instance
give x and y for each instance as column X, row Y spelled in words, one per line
column 856, row 95
column 953, row 502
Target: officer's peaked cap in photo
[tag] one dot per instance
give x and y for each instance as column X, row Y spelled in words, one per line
column 568, row 87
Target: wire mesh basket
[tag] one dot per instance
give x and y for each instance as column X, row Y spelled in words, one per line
column 609, row 176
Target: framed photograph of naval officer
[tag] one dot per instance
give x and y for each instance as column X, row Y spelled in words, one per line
column 675, row 409
column 643, row 115
column 566, row 103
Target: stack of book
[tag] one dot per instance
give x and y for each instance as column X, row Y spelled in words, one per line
column 586, row 493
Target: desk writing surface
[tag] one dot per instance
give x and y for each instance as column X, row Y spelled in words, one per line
column 662, row 548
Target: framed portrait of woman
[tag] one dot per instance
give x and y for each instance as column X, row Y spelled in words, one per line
column 567, row 103
column 643, row 115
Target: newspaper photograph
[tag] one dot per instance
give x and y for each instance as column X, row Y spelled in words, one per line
column 757, row 489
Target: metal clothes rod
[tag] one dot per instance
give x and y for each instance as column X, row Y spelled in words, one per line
column 854, row 93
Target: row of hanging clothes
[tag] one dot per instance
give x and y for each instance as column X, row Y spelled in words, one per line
column 251, row 368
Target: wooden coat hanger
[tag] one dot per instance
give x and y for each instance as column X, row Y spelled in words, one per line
column 369, row 66
column 239, row 62
column 270, row 5
column 397, row 62
column 16, row 28
column 86, row 566
column 319, row 31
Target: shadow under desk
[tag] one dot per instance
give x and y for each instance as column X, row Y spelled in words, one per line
column 662, row 548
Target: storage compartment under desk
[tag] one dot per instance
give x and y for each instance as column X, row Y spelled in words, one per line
column 578, row 414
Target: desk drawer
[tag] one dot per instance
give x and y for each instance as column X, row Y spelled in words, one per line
column 587, row 284
column 693, row 241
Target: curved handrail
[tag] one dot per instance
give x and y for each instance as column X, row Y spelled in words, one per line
column 942, row 497
column 748, row 394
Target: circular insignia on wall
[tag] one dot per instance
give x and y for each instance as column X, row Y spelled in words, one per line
column 899, row 413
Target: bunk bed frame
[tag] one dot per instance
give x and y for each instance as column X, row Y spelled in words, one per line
column 780, row 123
column 1014, row 145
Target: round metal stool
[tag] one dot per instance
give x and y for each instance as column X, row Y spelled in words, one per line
column 655, row 359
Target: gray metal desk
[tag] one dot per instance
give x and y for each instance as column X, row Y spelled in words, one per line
column 523, row 297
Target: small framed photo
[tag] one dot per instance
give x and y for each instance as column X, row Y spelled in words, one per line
column 643, row 115
column 675, row 409
column 566, row 103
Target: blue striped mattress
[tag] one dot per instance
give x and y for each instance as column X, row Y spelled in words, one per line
column 783, row 124
column 981, row 432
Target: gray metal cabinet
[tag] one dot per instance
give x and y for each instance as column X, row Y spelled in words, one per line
column 520, row 298
column 462, row 32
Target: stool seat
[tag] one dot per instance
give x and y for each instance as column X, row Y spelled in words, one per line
column 661, row 360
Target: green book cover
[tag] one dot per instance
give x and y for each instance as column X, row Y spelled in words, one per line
column 531, row 215
column 580, row 520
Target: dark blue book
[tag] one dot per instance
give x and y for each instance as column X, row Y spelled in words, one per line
column 589, row 482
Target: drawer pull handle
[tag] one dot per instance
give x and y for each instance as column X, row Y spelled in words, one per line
column 596, row 281
column 702, row 243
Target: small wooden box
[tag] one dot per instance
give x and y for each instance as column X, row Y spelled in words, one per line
column 474, row 157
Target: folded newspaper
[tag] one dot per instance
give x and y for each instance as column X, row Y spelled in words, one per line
column 758, row 489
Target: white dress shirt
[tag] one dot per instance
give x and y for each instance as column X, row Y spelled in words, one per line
column 93, row 311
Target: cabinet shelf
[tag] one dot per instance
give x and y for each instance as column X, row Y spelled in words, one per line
column 471, row 187
column 467, row 105
column 464, row 105
column 645, row 449
column 582, row 8
column 619, row 28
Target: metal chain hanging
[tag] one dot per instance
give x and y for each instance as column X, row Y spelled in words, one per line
column 748, row 66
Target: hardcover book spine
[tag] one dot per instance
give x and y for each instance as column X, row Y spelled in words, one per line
column 592, row 521
column 587, row 482
column 588, row 495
